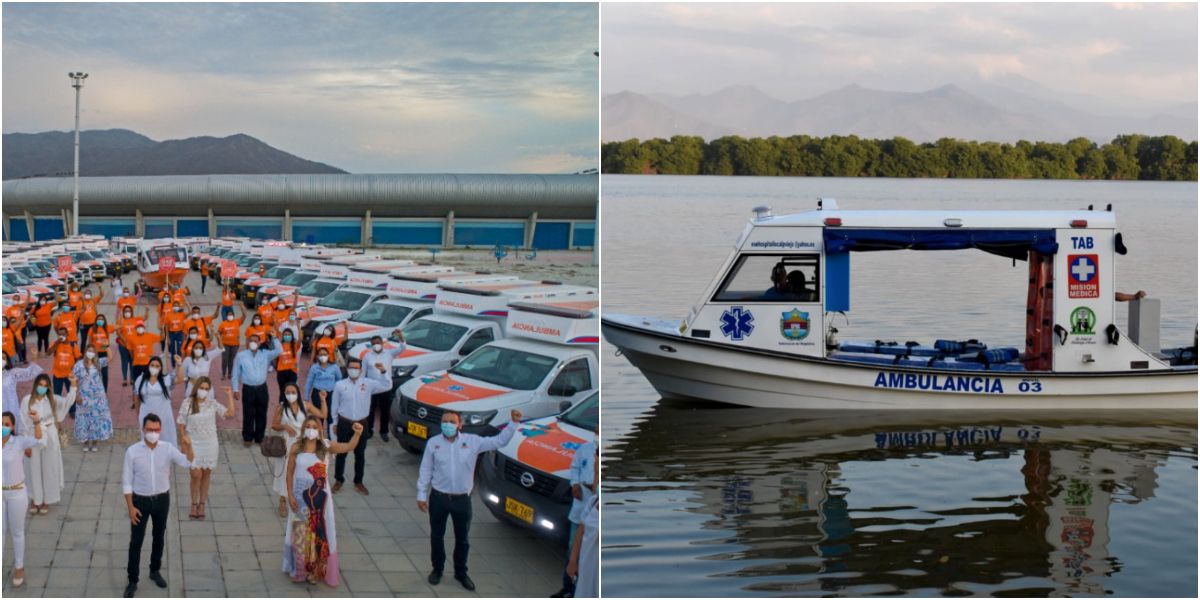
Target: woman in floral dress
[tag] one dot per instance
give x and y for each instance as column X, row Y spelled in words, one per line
column 93, row 421
column 310, row 539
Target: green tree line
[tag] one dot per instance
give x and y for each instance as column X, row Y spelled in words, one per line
column 1161, row 158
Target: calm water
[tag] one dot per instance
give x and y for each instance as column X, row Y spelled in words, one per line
column 709, row 500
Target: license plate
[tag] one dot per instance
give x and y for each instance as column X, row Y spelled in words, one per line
column 249, row 294
column 418, row 430
column 519, row 510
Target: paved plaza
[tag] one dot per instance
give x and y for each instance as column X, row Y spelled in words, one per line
column 80, row 548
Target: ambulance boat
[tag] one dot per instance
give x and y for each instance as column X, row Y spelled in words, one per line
column 762, row 335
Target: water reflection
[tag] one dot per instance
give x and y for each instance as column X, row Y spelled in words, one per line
column 738, row 501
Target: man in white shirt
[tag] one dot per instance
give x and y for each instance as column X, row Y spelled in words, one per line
column 444, row 488
column 351, row 404
column 380, row 359
column 146, row 482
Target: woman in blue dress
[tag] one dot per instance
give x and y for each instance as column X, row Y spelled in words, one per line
column 93, row 420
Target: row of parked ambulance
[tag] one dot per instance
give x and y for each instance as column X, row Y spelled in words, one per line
column 478, row 343
column 47, row 269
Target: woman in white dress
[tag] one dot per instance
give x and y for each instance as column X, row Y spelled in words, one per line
column 15, row 496
column 310, row 539
column 198, row 419
column 195, row 366
column 152, row 394
column 289, row 418
column 44, row 469
column 585, row 553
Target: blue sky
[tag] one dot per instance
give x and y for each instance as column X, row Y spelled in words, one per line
column 1105, row 56
column 370, row 88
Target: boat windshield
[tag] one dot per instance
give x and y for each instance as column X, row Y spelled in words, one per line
column 433, row 335
column 344, row 300
column 506, row 367
column 772, row 278
column 586, row 414
column 179, row 253
column 382, row 314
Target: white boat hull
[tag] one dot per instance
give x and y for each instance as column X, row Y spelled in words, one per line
column 678, row 366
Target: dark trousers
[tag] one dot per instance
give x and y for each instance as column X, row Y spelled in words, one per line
column 153, row 508
column 315, row 398
column 344, row 433
column 126, row 362
column 84, row 330
column 103, row 357
column 203, row 282
column 20, row 346
column 43, row 341
column 255, row 400
column 381, row 404
column 174, row 345
column 60, row 385
column 457, row 508
column 136, row 371
column 228, row 355
column 226, row 310
column 283, row 378
column 568, row 582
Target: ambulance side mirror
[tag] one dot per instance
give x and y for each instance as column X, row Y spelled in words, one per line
column 1119, row 245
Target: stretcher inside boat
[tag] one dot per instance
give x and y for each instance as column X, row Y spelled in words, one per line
column 763, row 334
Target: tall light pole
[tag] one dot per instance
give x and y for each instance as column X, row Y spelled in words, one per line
column 77, row 83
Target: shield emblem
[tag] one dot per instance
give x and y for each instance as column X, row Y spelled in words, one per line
column 794, row 325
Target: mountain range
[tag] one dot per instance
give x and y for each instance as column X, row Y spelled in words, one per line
column 985, row 112
column 122, row 152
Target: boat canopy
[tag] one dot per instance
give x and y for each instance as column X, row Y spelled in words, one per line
column 1009, row 243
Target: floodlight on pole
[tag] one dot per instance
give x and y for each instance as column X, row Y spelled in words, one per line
column 77, row 83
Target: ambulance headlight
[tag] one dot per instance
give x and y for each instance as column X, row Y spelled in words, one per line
column 403, row 371
column 474, row 419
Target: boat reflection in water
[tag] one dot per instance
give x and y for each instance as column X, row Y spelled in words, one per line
column 739, row 501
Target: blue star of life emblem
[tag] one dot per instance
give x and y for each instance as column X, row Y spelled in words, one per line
column 534, row 431
column 455, row 388
column 737, row 323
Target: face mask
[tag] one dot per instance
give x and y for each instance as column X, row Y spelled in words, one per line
column 322, row 358
column 141, row 330
column 258, row 321
column 291, row 396
column 197, row 352
column 7, row 431
column 128, row 314
column 202, row 394
column 278, row 307
column 87, row 296
column 178, row 309
column 126, row 294
column 287, row 338
column 311, row 434
column 41, row 390
column 449, row 429
column 377, row 347
column 229, row 317
column 329, row 333
column 291, row 317
column 100, row 322
column 195, row 315
column 353, row 373
column 253, row 345
column 90, row 354
column 152, row 437
column 192, row 336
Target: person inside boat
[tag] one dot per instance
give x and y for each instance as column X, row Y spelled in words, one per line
column 798, row 287
column 780, row 288
column 1123, row 297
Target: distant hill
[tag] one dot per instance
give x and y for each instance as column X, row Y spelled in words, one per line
column 122, row 152
column 991, row 112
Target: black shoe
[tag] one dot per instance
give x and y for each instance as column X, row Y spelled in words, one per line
column 130, row 590
column 563, row 593
column 435, row 577
column 466, row 582
column 158, row 580
column 384, row 436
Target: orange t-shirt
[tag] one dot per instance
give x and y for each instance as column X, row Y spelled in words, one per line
column 69, row 322
column 122, row 302
column 204, row 269
column 329, row 344
column 260, row 331
column 230, row 331
column 10, row 346
column 44, row 315
column 99, row 338
column 65, row 355
column 174, row 321
column 75, row 299
column 227, row 297
column 201, row 324
column 127, row 328
column 179, row 295
column 287, row 357
column 268, row 315
column 186, row 350
column 142, row 347
column 88, row 316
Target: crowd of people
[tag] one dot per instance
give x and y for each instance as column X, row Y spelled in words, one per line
column 331, row 415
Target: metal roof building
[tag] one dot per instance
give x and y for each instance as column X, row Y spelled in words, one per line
column 543, row 211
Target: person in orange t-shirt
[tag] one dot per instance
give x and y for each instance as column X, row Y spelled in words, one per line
column 65, row 352
column 326, row 337
column 286, row 368
column 67, row 319
column 174, row 323
column 227, row 298
column 229, row 336
column 141, row 349
column 101, row 339
column 128, row 299
column 75, row 297
column 257, row 327
column 87, row 314
column 10, row 341
column 268, row 315
column 127, row 323
column 203, row 276
column 14, row 330
column 43, row 318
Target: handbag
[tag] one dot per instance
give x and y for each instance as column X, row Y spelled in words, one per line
column 274, row 446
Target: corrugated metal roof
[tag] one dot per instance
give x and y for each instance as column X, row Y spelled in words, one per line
column 406, row 195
